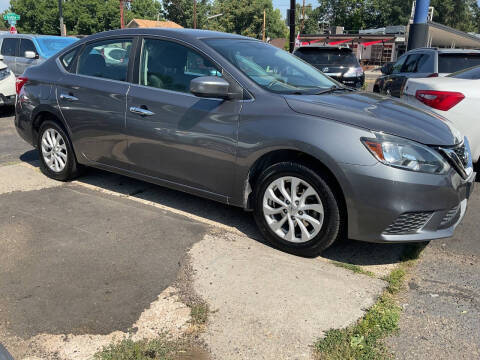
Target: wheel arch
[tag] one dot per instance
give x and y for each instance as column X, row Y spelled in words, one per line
column 43, row 113
column 276, row 156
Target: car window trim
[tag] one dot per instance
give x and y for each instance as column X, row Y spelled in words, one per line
column 85, row 44
column 138, row 56
column 20, row 45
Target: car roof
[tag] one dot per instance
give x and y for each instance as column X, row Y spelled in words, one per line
column 446, row 51
column 184, row 34
column 32, row 36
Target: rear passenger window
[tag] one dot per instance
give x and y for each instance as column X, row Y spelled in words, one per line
column 67, row 59
column 9, row 47
column 105, row 59
column 26, row 45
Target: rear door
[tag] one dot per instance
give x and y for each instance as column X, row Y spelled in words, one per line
column 174, row 135
column 9, row 51
column 92, row 99
column 23, row 62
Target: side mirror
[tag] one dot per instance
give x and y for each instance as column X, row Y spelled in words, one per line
column 31, row 55
column 210, row 87
column 387, row 68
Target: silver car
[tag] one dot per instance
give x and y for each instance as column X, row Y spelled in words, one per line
column 241, row 122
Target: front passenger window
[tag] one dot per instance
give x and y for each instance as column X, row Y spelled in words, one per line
column 171, row 66
column 106, row 59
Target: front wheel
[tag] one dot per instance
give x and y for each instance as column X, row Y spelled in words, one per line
column 296, row 209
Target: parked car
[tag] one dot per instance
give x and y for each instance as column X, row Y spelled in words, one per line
column 340, row 63
column 7, row 84
column 23, row 50
column 454, row 97
column 313, row 159
column 423, row 63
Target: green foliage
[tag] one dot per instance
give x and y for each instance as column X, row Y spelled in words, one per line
column 181, row 12
column 83, row 17
column 355, row 268
column 127, row 349
column 199, row 313
column 245, row 17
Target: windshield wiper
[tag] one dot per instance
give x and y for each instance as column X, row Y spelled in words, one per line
column 331, row 89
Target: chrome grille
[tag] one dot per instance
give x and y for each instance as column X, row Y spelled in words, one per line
column 408, row 223
column 458, row 157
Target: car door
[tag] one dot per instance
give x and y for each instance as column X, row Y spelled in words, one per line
column 9, row 51
column 23, row 62
column 414, row 66
column 92, row 98
column 172, row 134
column 392, row 77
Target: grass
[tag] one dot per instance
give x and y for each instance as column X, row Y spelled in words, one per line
column 158, row 349
column 199, row 313
column 352, row 267
column 364, row 340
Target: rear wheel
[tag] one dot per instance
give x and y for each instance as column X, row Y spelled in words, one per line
column 296, row 209
column 57, row 159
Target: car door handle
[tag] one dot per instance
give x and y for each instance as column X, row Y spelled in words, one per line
column 141, row 111
column 68, row 97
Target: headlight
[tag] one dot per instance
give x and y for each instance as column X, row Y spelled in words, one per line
column 4, row 73
column 405, row 154
column 354, row 72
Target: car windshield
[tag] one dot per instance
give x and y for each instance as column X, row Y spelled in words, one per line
column 320, row 56
column 273, row 69
column 449, row 63
column 51, row 45
column 472, row 73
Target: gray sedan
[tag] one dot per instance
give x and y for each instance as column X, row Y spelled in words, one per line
column 239, row 121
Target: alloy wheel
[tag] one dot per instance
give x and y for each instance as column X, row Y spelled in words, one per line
column 54, row 150
column 293, row 209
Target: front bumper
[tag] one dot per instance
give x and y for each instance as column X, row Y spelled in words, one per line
column 386, row 204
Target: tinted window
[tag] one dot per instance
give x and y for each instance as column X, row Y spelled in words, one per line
column 397, row 67
column 9, row 46
column 171, row 66
column 449, row 63
column 272, row 68
column 26, row 45
column 471, row 73
column 95, row 60
column 318, row 56
column 67, row 59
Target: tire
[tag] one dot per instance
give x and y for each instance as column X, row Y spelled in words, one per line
column 70, row 168
column 317, row 238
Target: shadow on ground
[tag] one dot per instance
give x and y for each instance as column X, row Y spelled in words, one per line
column 350, row 251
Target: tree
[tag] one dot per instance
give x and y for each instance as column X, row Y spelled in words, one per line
column 245, row 17
column 459, row 14
column 310, row 24
column 83, row 17
column 181, row 12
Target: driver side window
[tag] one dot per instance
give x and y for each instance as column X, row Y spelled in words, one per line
column 171, row 66
column 397, row 67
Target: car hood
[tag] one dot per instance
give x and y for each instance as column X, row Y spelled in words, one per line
column 378, row 113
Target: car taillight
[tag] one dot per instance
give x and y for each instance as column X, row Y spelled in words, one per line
column 440, row 100
column 19, row 83
column 433, row 75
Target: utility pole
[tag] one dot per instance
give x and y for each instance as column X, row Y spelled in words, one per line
column 264, row 20
column 303, row 17
column 194, row 14
column 292, row 25
column 418, row 32
column 122, row 23
column 60, row 15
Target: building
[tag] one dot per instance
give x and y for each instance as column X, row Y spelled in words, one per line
column 378, row 46
column 141, row 23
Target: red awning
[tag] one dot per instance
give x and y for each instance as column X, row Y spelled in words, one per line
column 371, row 42
column 339, row 42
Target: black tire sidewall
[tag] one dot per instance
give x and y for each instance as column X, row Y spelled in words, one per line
column 70, row 169
column 332, row 216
